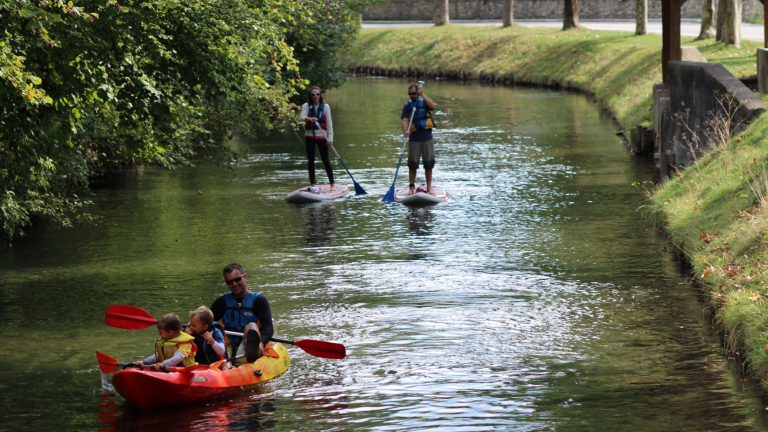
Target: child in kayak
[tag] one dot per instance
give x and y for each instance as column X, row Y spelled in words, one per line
column 208, row 339
column 173, row 347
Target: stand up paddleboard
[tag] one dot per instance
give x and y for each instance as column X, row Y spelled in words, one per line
column 317, row 193
column 420, row 196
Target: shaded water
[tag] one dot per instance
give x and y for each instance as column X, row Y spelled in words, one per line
column 536, row 298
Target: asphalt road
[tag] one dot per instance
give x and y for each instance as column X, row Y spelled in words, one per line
column 688, row 27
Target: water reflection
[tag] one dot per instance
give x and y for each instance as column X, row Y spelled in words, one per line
column 420, row 221
column 319, row 223
column 254, row 413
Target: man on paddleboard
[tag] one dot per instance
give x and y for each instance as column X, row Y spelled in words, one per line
column 420, row 145
column 245, row 311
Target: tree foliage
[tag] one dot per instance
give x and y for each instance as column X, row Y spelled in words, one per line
column 90, row 87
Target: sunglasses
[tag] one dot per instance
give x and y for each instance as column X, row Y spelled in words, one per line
column 412, row 94
column 235, row 280
column 315, row 94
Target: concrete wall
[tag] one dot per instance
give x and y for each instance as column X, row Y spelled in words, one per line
column 409, row 10
column 699, row 92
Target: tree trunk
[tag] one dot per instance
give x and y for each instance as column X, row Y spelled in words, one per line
column 441, row 13
column 571, row 14
column 641, row 15
column 508, row 15
column 729, row 22
column 707, row 20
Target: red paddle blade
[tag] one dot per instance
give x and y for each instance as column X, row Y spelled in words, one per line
column 128, row 317
column 322, row 349
column 107, row 364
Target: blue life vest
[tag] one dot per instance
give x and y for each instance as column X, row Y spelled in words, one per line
column 320, row 117
column 422, row 119
column 205, row 353
column 238, row 315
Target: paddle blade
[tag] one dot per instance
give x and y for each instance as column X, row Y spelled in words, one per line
column 359, row 189
column 322, row 349
column 107, row 364
column 390, row 195
column 128, row 317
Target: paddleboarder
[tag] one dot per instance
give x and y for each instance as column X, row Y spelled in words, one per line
column 317, row 115
column 420, row 144
column 242, row 310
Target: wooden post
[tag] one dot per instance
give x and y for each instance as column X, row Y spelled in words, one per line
column 670, row 27
column 765, row 24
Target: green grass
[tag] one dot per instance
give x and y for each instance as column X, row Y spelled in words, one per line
column 618, row 68
column 716, row 211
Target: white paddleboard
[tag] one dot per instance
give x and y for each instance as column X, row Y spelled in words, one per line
column 420, row 195
column 317, row 193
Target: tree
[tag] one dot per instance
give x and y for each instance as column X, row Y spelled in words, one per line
column 729, row 22
column 89, row 88
column 707, row 20
column 570, row 14
column 441, row 12
column 508, row 15
column 641, row 17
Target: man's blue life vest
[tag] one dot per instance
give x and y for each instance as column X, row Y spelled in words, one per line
column 422, row 119
column 320, row 117
column 238, row 315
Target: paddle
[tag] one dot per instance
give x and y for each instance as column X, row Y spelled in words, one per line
column 107, row 364
column 390, row 195
column 217, row 364
column 135, row 318
column 312, row 347
column 358, row 189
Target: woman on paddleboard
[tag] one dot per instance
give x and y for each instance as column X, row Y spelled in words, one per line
column 318, row 132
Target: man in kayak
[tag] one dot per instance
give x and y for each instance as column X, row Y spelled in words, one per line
column 173, row 346
column 420, row 145
column 242, row 310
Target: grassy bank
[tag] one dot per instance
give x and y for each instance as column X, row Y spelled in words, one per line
column 716, row 211
column 619, row 69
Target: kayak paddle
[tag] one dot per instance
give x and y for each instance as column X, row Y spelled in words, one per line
column 390, row 195
column 107, row 364
column 136, row 318
column 358, row 189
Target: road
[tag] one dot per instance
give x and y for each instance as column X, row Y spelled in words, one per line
column 688, row 27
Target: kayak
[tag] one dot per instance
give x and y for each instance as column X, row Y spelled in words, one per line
column 147, row 389
column 420, row 196
column 317, row 193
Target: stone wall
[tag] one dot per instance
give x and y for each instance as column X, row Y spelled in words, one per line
column 408, row 10
column 699, row 93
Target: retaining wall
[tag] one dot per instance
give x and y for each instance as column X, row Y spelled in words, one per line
column 700, row 93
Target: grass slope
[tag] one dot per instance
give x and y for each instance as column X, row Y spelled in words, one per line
column 716, row 211
column 618, row 68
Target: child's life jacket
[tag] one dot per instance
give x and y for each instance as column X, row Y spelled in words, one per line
column 184, row 343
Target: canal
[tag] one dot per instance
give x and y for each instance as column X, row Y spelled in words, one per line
column 537, row 298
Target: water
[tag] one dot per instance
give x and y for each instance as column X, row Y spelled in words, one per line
column 535, row 299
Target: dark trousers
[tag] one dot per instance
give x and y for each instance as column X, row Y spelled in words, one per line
column 323, row 146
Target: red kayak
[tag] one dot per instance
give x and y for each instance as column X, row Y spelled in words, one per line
column 147, row 389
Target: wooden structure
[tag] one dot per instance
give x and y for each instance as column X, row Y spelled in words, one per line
column 670, row 25
column 765, row 26
column 670, row 29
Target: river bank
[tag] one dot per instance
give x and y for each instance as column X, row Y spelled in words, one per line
column 714, row 212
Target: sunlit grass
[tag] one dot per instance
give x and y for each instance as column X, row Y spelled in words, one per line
column 618, row 68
